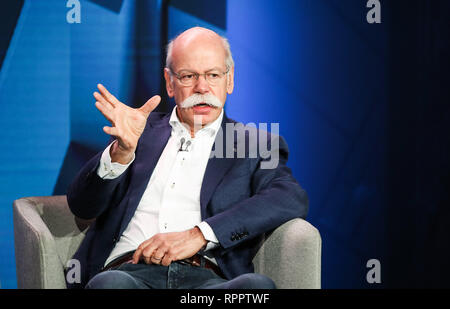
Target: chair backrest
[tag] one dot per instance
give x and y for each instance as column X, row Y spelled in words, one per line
column 67, row 230
column 46, row 235
column 291, row 256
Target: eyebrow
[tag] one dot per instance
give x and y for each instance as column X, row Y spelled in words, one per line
column 215, row 68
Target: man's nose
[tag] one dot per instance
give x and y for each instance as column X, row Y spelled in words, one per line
column 201, row 85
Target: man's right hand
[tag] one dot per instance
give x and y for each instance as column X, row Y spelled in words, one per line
column 127, row 123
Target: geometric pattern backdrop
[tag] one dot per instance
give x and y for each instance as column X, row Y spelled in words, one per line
column 363, row 107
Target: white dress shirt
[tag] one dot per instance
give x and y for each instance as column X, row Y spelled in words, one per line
column 171, row 201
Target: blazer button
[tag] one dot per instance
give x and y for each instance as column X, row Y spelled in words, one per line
column 114, row 240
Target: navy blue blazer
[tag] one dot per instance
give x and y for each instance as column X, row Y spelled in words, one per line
column 240, row 201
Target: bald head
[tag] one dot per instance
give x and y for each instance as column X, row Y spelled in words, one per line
column 199, row 34
column 198, row 37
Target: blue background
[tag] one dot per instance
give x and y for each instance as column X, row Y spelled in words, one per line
column 364, row 108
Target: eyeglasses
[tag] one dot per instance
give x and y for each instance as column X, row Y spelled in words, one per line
column 188, row 78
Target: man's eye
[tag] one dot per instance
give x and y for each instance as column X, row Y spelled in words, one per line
column 213, row 75
column 187, row 76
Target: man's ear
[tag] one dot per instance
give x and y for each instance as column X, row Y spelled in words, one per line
column 230, row 81
column 169, row 86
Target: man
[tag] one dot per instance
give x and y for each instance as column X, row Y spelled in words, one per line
column 166, row 214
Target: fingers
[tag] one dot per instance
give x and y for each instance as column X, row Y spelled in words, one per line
column 111, row 131
column 104, row 106
column 151, row 104
column 164, row 248
column 105, row 111
column 108, row 96
column 153, row 251
column 150, row 254
column 160, row 256
column 102, row 100
column 147, row 255
column 156, row 257
column 138, row 253
column 136, row 256
column 167, row 259
column 109, row 101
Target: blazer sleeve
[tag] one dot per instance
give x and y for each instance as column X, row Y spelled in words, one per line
column 89, row 195
column 277, row 198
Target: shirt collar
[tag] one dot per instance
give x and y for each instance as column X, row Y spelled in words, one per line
column 210, row 129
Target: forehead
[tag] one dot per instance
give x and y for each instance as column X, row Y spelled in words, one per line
column 198, row 53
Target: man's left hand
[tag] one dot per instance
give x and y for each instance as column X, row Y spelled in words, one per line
column 164, row 248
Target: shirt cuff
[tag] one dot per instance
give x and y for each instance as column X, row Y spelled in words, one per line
column 209, row 235
column 108, row 169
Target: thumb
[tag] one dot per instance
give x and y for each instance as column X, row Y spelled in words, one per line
column 150, row 105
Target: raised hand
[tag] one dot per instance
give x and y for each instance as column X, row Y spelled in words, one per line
column 127, row 123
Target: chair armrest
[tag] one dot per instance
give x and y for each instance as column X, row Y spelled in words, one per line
column 291, row 256
column 46, row 235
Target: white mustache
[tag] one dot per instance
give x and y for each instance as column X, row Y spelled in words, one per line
column 195, row 99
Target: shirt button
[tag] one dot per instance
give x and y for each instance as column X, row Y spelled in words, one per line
column 172, row 185
column 165, row 226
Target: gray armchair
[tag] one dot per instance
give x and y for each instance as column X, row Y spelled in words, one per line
column 47, row 234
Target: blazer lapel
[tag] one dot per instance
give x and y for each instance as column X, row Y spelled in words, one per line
column 216, row 169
